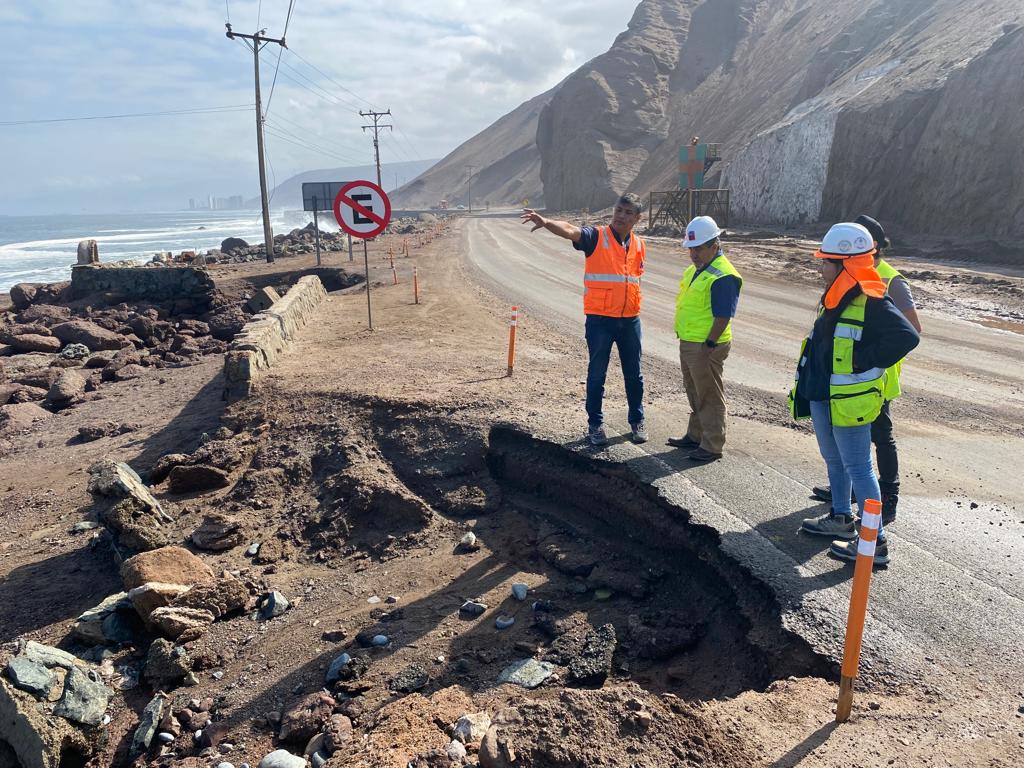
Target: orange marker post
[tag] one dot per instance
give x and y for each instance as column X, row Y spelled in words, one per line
column 415, row 285
column 512, row 339
column 869, row 524
column 394, row 273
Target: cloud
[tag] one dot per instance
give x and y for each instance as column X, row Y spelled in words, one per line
column 446, row 71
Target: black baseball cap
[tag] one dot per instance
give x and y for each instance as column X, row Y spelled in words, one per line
column 876, row 230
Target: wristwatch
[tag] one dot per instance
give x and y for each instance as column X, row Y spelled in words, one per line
column 710, row 344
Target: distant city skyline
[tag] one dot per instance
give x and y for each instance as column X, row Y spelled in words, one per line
column 211, row 203
column 446, row 71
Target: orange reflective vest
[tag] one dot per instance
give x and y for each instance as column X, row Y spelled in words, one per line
column 611, row 283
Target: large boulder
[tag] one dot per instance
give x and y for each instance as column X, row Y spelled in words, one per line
column 9, row 332
column 90, row 334
column 36, row 739
column 168, row 565
column 231, row 244
column 33, row 342
column 85, row 697
column 44, row 313
column 224, row 597
column 19, row 416
column 23, row 294
column 181, row 624
column 111, row 622
column 119, row 481
column 152, row 596
column 135, row 527
column 68, row 388
column 227, row 323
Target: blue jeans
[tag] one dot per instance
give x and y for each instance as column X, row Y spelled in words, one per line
column 847, row 455
column 626, row 333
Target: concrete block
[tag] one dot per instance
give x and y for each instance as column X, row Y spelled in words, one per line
column 265, row 298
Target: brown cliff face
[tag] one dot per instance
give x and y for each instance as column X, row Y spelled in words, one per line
column 606, row 118
column 909, row 110
column 506, row 161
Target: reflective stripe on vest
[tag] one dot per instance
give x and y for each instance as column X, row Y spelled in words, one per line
column 854, row 398
column 694, row 317
column 840, row 379
column 611, row 281
column 592, row 276
column 888, row 273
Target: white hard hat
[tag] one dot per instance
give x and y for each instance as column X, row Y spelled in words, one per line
column 845, row 240
column 699, row 231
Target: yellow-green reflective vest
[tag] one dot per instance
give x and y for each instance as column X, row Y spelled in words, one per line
column 892, row 382
column 854, row 398
column 693, row 302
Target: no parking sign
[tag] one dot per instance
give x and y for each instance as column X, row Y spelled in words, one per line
column 362, row 209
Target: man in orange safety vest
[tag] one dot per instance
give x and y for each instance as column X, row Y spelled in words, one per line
column 611, row 302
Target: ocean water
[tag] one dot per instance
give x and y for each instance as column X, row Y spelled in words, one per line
column 41, row 249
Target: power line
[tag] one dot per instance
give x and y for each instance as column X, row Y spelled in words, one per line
column 288, row 18
column 308, row 147
column 280, row 50
column 327, row 94
column 313, row 66
column 397, row 149
column 164, row 113
column 305, row 128
column 405, row 138
column 312, row 144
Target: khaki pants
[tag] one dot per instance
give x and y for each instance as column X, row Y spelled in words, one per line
column 702, row 375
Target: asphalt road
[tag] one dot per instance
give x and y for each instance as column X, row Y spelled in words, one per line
column 952, row 602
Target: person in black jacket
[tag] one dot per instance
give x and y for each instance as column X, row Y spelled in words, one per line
column 858, row 334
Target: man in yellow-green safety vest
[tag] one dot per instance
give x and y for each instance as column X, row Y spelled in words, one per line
column 705, row 305
column 898, row 289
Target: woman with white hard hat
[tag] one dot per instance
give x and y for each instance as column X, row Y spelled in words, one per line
column 841, row 376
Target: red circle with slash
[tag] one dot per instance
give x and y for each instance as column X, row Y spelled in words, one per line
column 362, row 209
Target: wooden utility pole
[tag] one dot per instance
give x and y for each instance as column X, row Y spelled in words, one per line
column 376, row 116
column 256, row 43
column 470, row 195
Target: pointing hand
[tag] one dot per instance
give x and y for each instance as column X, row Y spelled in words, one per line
column 530, row 216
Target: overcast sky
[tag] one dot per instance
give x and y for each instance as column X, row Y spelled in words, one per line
column 445, row 69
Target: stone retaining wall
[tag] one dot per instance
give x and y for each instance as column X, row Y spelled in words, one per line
column 141, row 283
column 268, row 335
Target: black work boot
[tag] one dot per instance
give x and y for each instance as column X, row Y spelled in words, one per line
column 889, row 502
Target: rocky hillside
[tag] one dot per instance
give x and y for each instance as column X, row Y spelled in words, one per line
column 506, row 162
column 908, row 109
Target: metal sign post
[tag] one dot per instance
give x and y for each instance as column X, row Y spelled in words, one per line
column 316, row 228
column 366, row 266
column 350, row 247
column 363, row 210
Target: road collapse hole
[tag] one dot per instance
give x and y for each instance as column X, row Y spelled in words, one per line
column 684, row 617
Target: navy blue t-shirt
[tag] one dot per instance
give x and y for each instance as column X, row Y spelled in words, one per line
column 725, row 294
column 589, row 238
